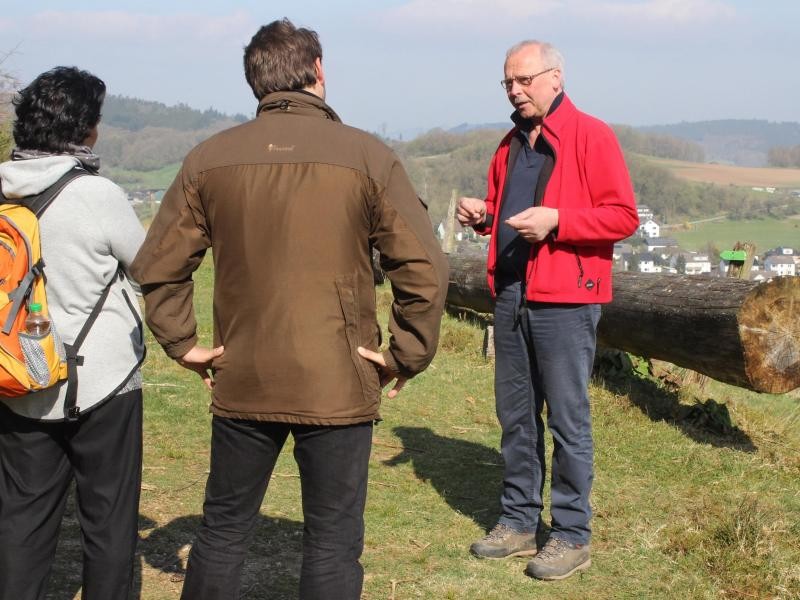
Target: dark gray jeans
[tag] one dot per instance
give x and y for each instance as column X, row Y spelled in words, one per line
column 543, row 355
column 333, row 465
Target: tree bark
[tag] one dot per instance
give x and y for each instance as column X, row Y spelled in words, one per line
column 468, row 287
column 744, row 333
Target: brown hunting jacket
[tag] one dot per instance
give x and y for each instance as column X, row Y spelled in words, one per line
column 292, row 203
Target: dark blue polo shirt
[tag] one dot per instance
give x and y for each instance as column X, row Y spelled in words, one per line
column 512, row 249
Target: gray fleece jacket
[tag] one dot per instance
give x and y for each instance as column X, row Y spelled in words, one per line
column 87, row 232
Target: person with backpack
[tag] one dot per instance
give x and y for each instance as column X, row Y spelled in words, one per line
column 87, row 427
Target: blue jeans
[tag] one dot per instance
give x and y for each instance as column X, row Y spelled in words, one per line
column 333, row 465
column 543, row 355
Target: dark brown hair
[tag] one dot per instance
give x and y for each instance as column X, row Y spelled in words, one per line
column 281, row 57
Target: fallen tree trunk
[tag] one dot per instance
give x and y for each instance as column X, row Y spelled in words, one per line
column 745, row 333
column 468, row 287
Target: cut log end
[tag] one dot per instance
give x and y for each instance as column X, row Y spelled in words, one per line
column 769, row 327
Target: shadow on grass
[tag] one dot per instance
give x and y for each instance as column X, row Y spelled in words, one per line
column 467, row 475
column 706, row 422
column 272, row 566
column 271, row 569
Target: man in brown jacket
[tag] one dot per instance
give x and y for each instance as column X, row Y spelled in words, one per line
column 293, row 203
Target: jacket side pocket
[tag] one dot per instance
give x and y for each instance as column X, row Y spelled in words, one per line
column 348, row 300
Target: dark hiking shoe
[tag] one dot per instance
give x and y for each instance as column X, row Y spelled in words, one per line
column 504, row 542
column 558, row 560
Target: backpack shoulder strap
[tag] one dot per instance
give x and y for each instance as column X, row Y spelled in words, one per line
column 38, row 204
column 74, row 360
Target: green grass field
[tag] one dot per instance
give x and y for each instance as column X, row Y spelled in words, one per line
column 765, row 233
column 685, row 505
column 143, row 180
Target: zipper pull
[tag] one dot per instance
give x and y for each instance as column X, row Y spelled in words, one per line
column 580, row 266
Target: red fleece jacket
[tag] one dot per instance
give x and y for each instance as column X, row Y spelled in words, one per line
column 592, row 191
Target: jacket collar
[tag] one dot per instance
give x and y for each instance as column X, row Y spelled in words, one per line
column 555, row 120
column 298, row 102
column 526, row 124
column 561, row 110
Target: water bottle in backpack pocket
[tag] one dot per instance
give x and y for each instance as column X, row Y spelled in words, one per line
column 39, row 342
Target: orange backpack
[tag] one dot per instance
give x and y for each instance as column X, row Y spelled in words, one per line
column 29, row 363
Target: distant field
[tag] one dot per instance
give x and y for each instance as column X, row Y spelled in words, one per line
column 731, row 175
column 143, row 180
column 765, row 233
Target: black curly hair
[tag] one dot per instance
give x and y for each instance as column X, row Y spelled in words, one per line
column 60, row 107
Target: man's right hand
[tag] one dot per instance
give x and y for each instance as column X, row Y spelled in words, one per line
column 471, row 211
column 385, row 374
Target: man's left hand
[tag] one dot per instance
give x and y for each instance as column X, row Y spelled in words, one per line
column 534, row 224
column 199, row 359
column 385, row 374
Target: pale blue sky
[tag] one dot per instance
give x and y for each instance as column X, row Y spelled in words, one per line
column 405, row 65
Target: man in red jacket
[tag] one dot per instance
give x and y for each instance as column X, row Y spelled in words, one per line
column 559, row 196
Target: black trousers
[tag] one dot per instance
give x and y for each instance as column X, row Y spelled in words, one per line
column 102, row 451
column 333, row 463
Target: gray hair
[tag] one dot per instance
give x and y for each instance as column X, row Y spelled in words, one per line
column 551, row 57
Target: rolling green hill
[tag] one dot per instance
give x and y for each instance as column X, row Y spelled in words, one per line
column 744, row 142
column 133, row 114
column 141, row 141
column 439, row 162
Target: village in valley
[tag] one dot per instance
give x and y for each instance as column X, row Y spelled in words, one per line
column 651, row 251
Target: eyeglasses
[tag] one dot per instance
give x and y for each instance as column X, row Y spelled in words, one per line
column 523, row 80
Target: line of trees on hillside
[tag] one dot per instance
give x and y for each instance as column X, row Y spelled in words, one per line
column 133, row 114
column 660, row 145
column 441, row 161
column 772, row 133
column 6, row 139
column 7, row 87
column 149, row 148
column 676, row 200
column 438, row 141
column 784, row 156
